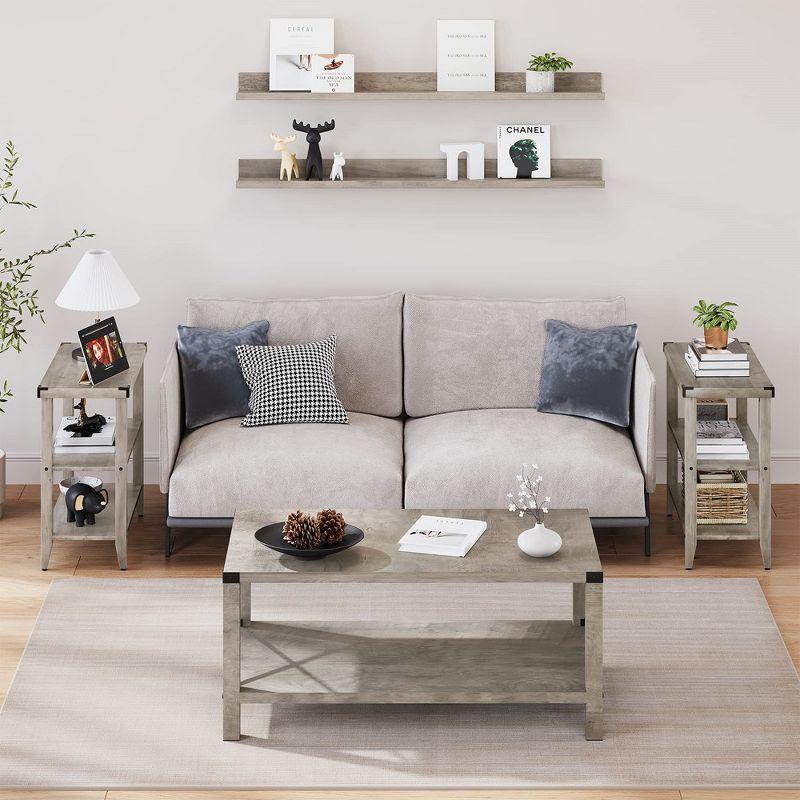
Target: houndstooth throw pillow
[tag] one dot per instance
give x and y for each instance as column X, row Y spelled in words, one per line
column 291, row 383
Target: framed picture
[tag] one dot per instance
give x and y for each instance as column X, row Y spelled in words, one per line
column 102, row 348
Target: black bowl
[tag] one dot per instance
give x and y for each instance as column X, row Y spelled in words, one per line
column 272, row 537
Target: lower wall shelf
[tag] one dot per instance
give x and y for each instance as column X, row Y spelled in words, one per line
column 419, row 173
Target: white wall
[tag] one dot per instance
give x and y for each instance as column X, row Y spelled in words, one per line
column 126, row 120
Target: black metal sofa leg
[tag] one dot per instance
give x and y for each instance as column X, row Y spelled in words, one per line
column 167, row 541
column 647, row 529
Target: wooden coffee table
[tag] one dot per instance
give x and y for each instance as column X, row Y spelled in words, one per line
column 552, row 661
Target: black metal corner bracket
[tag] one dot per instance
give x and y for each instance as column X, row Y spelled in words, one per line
column 230, row 577
column 594, row 577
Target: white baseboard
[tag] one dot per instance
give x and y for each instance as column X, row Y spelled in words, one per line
column 24, row 468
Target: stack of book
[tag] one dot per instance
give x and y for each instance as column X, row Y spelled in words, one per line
column 732, row 362
column 720, row 440
column 442, row 536
column 68, row 442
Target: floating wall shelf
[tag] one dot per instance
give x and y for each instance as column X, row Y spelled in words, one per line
column 420, row 173
column 422, row 86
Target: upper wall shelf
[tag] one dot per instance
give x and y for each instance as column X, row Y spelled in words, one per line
column 422, row 86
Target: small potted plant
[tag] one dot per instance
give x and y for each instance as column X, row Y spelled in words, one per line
column 541, row 73
column 716, row 320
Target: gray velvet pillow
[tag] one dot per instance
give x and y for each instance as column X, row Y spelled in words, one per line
column 588, row 373
column 213, row 385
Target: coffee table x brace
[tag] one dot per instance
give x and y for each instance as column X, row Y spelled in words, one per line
column 554, row 661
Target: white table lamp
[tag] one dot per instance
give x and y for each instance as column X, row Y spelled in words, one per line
column 97, row 284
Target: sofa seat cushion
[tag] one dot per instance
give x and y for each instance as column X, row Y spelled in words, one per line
column 468, row 459
column 223, row 466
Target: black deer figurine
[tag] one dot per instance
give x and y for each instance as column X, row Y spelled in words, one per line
column 313, row 137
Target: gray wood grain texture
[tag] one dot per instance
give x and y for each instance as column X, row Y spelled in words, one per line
column 422, row 86
column 362, row 662
column 420, row 173
column 757, row 384
column 593, row 658
column 765, row 480
column 231, row 662
column 494, row 558
column 62, row 378
column 682, row 443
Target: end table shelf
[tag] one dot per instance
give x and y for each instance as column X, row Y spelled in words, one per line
column 125, row 496
column 682, row 442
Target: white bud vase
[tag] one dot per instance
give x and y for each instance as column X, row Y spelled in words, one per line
column 539, row 541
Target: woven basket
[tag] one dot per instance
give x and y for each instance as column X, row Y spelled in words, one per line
column 723, row 503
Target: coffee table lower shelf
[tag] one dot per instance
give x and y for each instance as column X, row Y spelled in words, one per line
column 367, row 662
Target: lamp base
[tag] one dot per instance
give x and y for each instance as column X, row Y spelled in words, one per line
column 77, row 354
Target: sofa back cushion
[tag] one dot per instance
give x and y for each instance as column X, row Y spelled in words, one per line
column 470, row 353
column 369, row 368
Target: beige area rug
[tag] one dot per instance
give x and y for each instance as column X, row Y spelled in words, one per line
column 120, row 687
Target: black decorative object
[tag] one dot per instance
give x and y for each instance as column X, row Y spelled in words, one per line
column 83, row 502
column 313, row 137
column 86, row 426
column 272, row 537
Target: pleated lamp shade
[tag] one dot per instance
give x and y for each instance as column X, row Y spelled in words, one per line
column 97, row 284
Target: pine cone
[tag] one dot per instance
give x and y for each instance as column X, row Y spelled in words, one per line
column 301, row 531
column 331, row 526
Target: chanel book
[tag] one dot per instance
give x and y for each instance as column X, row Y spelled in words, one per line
column 523, row 151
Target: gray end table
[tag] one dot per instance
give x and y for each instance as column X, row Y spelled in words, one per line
column 682, row 440
column 62, row 381
column 414, row 661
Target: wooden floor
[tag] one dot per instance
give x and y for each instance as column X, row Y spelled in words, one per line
column 200, row 554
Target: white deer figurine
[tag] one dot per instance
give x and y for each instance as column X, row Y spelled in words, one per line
column 336, row 169
column 288, row 160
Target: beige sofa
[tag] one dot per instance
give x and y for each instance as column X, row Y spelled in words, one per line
column 441, row 395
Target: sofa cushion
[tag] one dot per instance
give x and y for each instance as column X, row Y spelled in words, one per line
column 223, row 466
column 468, row 459
column 463, row 353
column 588, row 373
column 213, row 385
column 369, row 369
column 291, row 383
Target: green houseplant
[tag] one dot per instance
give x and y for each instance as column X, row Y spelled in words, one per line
column 17, row 299
column 716, row 320
column 541, row 73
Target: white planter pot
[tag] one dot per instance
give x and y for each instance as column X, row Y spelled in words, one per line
column 2, row 481
column 539, row 541
column 540, row 81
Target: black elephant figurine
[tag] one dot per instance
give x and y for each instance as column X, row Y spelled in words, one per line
column 83, row 502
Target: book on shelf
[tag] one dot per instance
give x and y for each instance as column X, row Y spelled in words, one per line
column 292, row 43
column 716, row 477
column 733, row 352
column 708, row 409
column 722, row 449
column 70, row 439
column 719, row 456
column 719, row 432
column 719, row 370
column 66, row 450
column 442, row 536
column 523, row 151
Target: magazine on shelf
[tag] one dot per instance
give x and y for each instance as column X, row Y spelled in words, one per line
column 465, row 55
column 523, row 150
column 733, row 352
column 453, row 536
column 292, row 42
column 65, row 438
